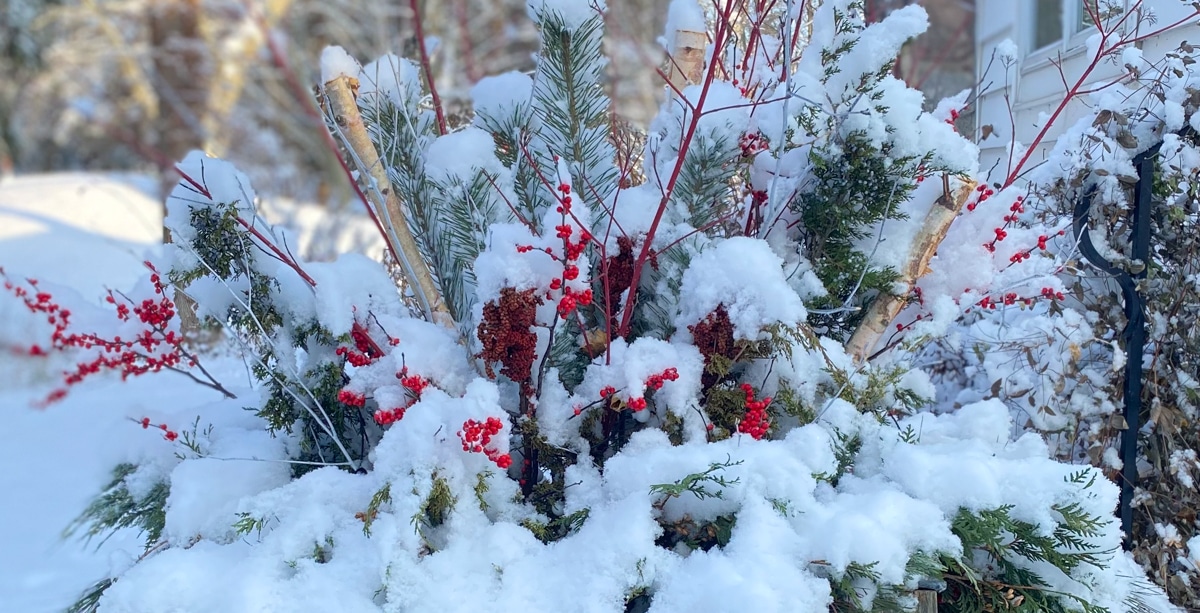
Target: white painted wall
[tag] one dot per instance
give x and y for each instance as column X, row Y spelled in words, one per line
column 1035, row 86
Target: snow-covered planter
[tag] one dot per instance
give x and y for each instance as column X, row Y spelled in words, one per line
column 618, row 380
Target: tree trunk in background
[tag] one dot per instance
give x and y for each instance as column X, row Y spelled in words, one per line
column 182, row 75
column 633, row 28
column 238, row 49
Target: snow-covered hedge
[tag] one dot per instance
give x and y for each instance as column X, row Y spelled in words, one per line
column 628, row 387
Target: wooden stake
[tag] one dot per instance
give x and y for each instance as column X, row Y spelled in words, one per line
column 927, row 601
column 886, row 307
column 340, row 93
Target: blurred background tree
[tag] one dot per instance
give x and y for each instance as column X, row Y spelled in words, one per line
column 134, row 84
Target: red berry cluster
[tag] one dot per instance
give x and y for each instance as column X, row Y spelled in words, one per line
column 366, row 350
column 984, row 192
column 756, row 423
column 1012, row 298
column 987, row 303
column 153, row 348
column 752, row 143
column 1025, row 254
column 572, row 251
column 387, row 417
column 1049, row 293
column 954, row 113
column 168, row 434
column 415, row 384
column 1017, row 207
column 352, row 398
column 656, row 381
column 476, row 436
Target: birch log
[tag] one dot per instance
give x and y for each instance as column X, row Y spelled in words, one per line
column 687, row 64
column 340, row 93
column 885, row 308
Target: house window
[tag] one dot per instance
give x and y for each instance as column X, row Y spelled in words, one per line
column 1083, row 19
column 1056, row 20
column 1047, row 22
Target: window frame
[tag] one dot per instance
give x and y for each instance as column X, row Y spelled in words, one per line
column 1075, row 31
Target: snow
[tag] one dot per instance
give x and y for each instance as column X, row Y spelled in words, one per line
column 79, row 234
column 337, row 62
column 682, row 15
column 502, row 95
column 457, row 157
column 390, row 78
column 87, row 231
column 748, row 279
column 1007, row 52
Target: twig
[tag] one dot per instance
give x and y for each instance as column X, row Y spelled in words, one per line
column 426, row 68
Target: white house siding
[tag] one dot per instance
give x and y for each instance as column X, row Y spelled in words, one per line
column 1035, row 85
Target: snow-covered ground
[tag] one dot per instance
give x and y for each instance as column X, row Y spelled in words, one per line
column 86, row 232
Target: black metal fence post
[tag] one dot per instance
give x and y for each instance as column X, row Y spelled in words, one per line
column 1135, row 315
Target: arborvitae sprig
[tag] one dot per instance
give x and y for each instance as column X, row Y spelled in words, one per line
column 116, row 508
column 697, row 483
column 1009, row 546
column 227, row 251
column 89, row 602
column 855, row 186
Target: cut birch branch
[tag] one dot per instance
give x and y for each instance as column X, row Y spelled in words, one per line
column 885, row 308
column 687, row 65
column 340, row 93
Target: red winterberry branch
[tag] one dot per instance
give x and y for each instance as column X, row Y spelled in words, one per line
column 719, row 39
column 426, row 68
column 168, row 434
column 154, row 348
